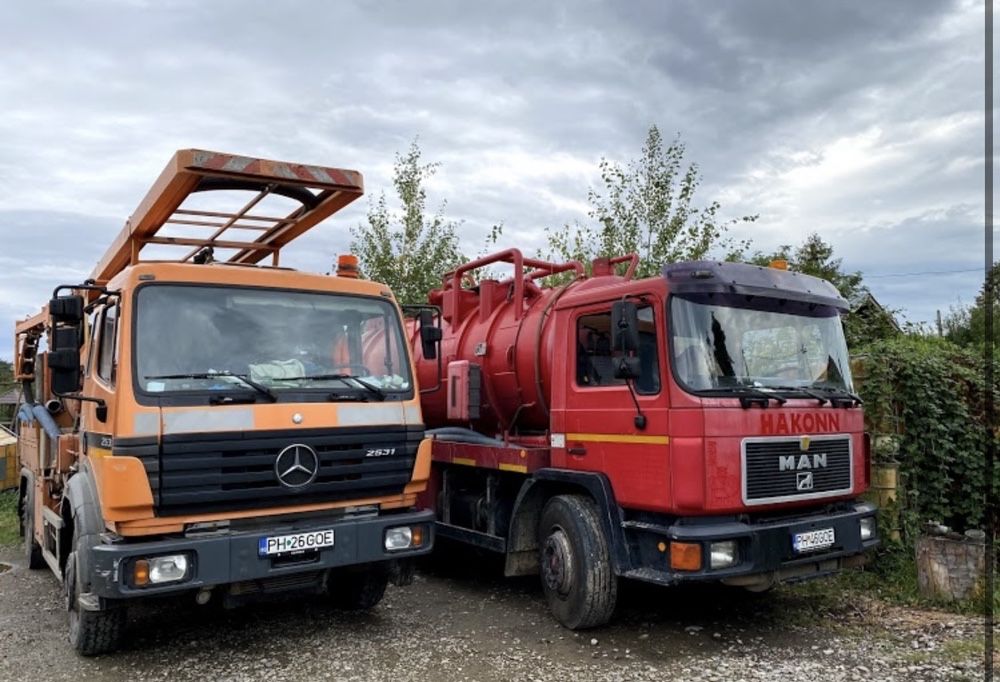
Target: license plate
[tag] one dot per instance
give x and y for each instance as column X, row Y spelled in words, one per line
column 295, row 543
column 813, row 540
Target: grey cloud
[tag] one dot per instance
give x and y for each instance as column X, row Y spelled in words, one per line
column 517, row 100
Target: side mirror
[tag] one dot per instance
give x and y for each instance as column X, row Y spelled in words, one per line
column 624, row 327
column 627, row 367
column 430, row 335
column 67, row 309
column 65, row 341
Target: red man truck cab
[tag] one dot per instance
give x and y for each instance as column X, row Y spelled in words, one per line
column 697, row 425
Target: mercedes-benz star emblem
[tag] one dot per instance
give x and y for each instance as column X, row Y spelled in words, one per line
column 296, row 466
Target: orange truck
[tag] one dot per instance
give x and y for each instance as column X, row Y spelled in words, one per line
column 198, row 424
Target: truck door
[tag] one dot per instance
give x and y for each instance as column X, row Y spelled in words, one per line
column 101, row 371
column 603, row 430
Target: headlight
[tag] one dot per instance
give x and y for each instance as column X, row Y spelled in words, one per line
column 723, row 554
column 867, row 528
column 161, row 569
column 404, row 537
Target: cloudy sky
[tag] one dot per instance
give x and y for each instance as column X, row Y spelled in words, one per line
column 859, row 120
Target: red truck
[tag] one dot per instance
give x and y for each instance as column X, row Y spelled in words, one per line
column 697, row 425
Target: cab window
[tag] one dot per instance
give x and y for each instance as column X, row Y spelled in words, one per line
column 595, row 363
column 107, row 359
column 91, row 367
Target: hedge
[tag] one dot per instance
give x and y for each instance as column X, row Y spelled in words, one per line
column 926, row 394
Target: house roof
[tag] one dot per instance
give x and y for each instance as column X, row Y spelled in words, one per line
column 865, row 300
column 11, row 396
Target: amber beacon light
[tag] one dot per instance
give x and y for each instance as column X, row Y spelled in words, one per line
column 347, row 266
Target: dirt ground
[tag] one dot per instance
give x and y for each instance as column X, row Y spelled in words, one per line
column 470, row 623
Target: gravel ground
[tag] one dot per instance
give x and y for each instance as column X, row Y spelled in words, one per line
column 448, row 626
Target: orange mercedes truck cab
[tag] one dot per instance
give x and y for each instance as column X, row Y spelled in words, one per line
column 220, row 429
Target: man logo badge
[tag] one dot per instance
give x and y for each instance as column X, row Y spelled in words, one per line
column 296, row 466
column 804, row 481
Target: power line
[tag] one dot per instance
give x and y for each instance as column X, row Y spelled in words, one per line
column 926, row 272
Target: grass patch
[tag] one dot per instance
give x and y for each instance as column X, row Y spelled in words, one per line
column 959, row 650
column 8, row 518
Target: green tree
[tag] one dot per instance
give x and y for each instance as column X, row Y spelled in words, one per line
column 647, row 206
column 966, row 325
column 408, row 250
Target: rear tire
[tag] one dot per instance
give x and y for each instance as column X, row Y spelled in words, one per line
column 32, row 550
column 91, row 633
column 358, row 589
column 579, row 583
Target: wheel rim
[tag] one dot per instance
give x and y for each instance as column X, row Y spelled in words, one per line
column 557, row 563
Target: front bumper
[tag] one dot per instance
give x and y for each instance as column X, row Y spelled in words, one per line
column 232, row 557
column 765, row 552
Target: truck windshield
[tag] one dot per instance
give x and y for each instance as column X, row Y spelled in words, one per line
column 722, row 342
column 203, row 338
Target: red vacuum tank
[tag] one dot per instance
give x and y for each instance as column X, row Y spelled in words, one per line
column 505, row 328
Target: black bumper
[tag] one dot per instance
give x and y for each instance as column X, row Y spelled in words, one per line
column 765, row 551
column 233, row 557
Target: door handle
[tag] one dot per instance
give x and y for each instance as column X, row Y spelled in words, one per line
column 580, row 450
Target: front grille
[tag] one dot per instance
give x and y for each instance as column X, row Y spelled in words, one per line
column 285, row 583
column 779, row 469
column 207, row 472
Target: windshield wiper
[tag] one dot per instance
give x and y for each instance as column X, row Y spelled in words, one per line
column 368, row 386
column 843, row 396
column 242, row 378
column 749, row 395
column 822, row 399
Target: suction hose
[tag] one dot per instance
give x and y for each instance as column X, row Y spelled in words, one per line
column 458, row 434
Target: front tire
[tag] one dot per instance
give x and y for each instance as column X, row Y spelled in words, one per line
column 579, row 583
column 91, row 633
column 358, row 589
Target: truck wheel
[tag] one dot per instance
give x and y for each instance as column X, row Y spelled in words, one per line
column 32, row 550
column 358, row 590
column 90, row 632
column 579, row 583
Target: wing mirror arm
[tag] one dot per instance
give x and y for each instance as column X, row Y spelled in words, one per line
column 429, row 327
column 625, row 342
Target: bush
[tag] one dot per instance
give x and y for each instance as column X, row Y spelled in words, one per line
column 9, row 522
column 929, row 392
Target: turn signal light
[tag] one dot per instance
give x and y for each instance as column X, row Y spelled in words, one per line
column 685, row 556
column 779, row 264
column 140, row 573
